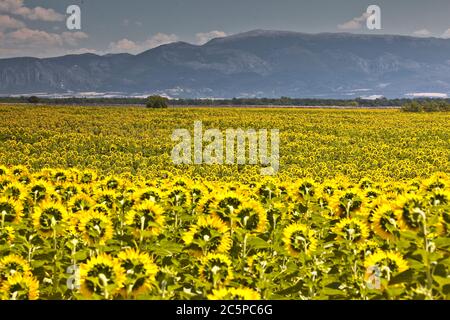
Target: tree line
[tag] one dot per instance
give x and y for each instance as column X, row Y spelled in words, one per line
column 411, row 105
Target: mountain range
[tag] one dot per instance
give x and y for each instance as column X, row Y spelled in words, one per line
column 259, row 63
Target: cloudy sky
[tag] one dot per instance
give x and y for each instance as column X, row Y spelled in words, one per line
column 38, row 27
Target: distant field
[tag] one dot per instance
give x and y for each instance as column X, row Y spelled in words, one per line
column 318, row 143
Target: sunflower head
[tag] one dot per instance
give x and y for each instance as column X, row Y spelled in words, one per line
column 113, row 183
column 351, row 229
column 150, row 193
column 298, row 238
column 216, row 269
column 234, row 294
column 4, row 171
column 13, row 264
column 347, row 202
column 68, row 190
column 384, row 221
column 20, row 287
column 304, row 189
column 209, row 234
column 226, row 204
column 147, row 218
column 101, row 277
column 439, row 198
column 50, row 217
column 11, row 211
column 40, row 190
column 386, row 264
column 365, row 183
column 140, row 272
column 206, row 203
column 81, row 202
column 95, row 227
column 86, row 176
column 106, row 197
column 178, row 197
column 251, row 216
column 410, row 213
column 16, row 191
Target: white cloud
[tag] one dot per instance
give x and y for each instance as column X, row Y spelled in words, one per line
column 204, row 37
column 38, row 43
column 72, row 38
column 422, row 33
column 129, row 46
column 446, row 34
column 17, row 7
column 7, row 22
column 355, row 23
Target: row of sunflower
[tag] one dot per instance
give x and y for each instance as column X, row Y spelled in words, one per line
column 74, row 234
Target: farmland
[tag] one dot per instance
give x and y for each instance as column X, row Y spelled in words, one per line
column 92, row 206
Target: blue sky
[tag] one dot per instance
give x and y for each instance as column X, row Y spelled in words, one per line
column 38, row 27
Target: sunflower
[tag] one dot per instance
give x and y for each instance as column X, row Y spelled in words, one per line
column 68, row 190
column 16, row 191
column 150, row 193
column 198, row 192
column 439, row 198
column 19, row 170
column 226, row 204
column 178, row 197
column 7, row 235
column 216, row 269
column 20, row 287
column 106, row 197
column 80, row 202
column 384, row 221
column 299, row 238
column 205, row 204
column 49, row 217
column 4, row 171
column 434, row 183
column 304, row 189
column 267, row 191
column 11, row 211
column 147, row 217
column 40, row 190
column 234, row 294
column 209, row 234
column 59, row 175
column 348, row 202
column 251, row 216
column 86, row 176
column 101, row 276
column 102, row 208
column 113, row 183
column 386, row 263
column 351, row 229
column 11, row 265
column 411, row 212
column 365, row 183
column 140, row 272
column 95, row 227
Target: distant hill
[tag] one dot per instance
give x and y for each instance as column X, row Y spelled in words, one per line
column 258, row 63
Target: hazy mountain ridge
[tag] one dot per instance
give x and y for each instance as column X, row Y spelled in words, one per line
column 256, row 63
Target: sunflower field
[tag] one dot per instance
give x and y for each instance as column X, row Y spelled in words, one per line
column 92, row 208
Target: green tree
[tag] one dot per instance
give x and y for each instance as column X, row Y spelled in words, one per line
column 157, row 102
column 33, row 99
